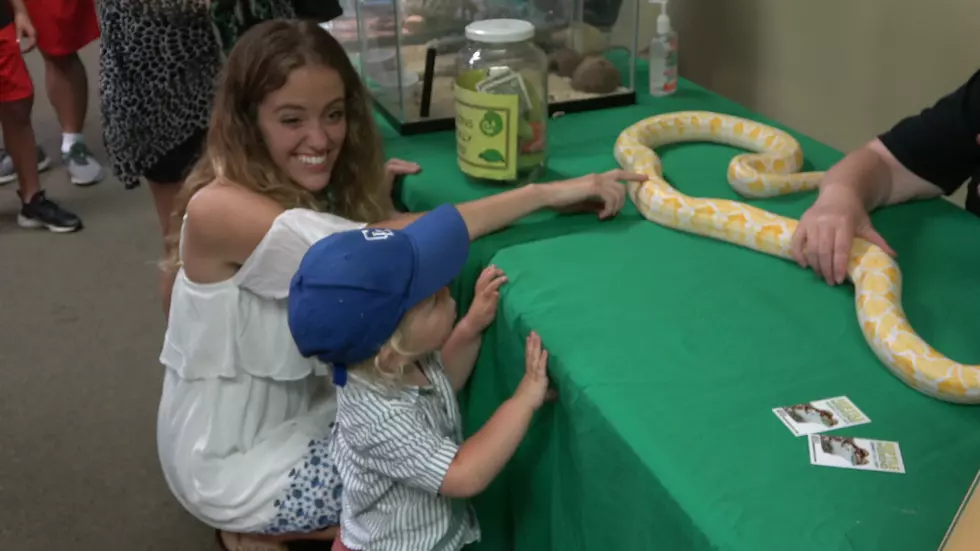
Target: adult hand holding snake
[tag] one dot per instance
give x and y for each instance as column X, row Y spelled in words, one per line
column 823, row 238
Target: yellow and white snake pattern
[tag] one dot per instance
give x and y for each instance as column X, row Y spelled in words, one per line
column 769, row 170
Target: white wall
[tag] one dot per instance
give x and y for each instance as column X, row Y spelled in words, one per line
column 838, row 70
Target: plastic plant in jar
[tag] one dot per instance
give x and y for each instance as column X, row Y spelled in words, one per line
column 501, row 102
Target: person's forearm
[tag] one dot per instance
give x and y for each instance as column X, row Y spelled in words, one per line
column 862, row 172
column 489, row 214
column 18, row 6
column 460, row 352
column 483, row 455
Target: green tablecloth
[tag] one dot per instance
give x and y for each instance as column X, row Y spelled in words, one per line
column 670, row 350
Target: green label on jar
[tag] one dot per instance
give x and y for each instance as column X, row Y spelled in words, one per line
column 486, row 130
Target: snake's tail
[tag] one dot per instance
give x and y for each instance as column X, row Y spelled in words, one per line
column 878, row 300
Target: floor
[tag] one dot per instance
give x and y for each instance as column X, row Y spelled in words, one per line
column 80, row 330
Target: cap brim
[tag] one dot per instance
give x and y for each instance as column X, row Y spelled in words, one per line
column 442, row 243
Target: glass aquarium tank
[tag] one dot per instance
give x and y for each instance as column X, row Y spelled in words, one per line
column 344, row 29
column 407, row 49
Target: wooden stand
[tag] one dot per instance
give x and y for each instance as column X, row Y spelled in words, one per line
column 964, row 531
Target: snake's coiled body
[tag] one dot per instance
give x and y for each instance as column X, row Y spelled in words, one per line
column 770, row 170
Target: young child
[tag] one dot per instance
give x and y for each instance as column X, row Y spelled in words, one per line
column 16, row 101
column 374, row 306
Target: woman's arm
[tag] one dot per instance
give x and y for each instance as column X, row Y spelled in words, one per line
column 226, row 223
column 489, row 214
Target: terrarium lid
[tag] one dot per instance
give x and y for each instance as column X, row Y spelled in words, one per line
column 500, row 31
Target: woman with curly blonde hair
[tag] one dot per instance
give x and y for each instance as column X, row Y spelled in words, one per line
column 292, row 155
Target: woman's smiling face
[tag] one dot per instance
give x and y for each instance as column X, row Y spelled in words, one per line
column 304, row 125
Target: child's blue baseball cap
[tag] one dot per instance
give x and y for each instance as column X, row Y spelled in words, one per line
column 353, row 288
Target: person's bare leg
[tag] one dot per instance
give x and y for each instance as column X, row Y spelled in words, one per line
column 67, row 85
column 164, row 197
column 36, row 211
column 18, row 139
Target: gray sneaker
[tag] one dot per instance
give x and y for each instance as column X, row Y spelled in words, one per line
column 7, row 172
column 82, row 166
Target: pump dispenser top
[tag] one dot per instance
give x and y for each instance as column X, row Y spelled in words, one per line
column 663, row 20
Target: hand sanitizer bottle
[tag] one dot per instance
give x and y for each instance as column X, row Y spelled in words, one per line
column 663, row 56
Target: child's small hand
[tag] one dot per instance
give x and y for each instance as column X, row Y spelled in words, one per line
column 533, row 389
column 484, row 308
column 26, row 36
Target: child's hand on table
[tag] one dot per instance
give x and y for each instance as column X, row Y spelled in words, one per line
column 483, row 310
column 461, row 350
column 482, row 456
column 533, row 390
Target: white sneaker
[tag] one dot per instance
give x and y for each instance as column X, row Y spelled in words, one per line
column 7, row 172
column 82, row 166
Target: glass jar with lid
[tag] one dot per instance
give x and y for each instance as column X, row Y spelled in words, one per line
column 501, row 102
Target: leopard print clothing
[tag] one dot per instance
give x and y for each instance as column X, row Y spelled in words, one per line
column 158, row 63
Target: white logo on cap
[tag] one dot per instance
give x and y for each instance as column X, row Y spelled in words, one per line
column 377, row 234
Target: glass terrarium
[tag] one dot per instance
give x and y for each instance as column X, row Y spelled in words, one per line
column 344, row 28
column 407, row 53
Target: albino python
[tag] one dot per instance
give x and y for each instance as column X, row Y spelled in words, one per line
column 771, row 169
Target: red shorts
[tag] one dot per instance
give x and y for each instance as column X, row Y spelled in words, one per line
column 15, row 81
column 63, row 26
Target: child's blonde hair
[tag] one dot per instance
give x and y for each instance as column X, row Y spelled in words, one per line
column 388, row 365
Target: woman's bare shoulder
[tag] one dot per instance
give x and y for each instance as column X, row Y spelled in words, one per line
column 226, row 221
